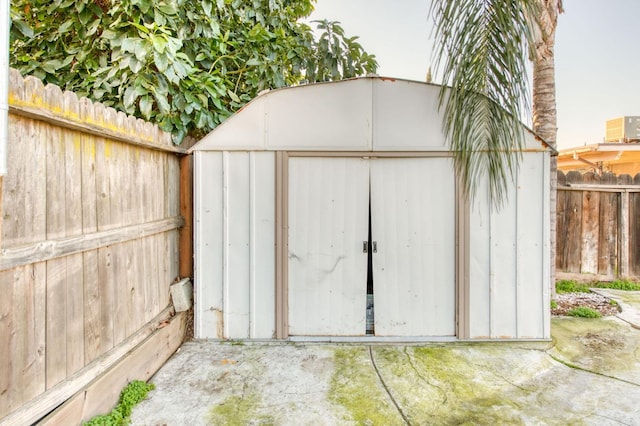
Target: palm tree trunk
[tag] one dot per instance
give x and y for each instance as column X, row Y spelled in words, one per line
column 544, row 104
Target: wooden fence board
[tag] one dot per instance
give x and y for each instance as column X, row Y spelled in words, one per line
column 8, row 387
column 562, row 200
column 107, row 297
column 99, row 396
column 634, row 232
column 103, row 209
column 56, row 322
column 52, row 249
column 88, row 190
column 608, row 238
column 34, row 295
column 186, row 211
column 119, row 289
column 75, row 313
column 151, row 275
column 13, row 198
column 34, row 410
column 92, row 306
column 18, row 351
column 598, row 225
column 590, row 227
column 574, row 227
column 88, row 244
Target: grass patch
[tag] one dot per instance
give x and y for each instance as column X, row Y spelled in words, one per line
column 554, row 304
column 618, row 285
column 583, row 312
column 571, row 286
column 131, row 395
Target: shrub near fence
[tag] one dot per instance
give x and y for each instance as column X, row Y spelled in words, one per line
column 89, row 247
column 598, row 224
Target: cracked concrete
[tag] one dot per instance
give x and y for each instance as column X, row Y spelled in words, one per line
column 589, row 374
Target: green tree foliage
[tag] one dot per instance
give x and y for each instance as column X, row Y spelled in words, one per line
column 186, row 65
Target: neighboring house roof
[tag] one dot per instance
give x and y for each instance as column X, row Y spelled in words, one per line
column 601, row 156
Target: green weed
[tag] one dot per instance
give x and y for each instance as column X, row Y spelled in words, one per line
column 583, row 312
column 131, row 395
column 618, row 285
column 554, row 304
column 571, row 286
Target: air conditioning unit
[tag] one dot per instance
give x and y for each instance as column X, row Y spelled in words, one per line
column 623, row 129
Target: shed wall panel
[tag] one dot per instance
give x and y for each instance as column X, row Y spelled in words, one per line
column 508, row 271
column 406, row 117
column 413, row 223
column 208, row 244
column 479, row 267
column 321, row 117
column 262, row 244
column 503, row 268
column 529, row 246
column 328, row 210
column 236, row 234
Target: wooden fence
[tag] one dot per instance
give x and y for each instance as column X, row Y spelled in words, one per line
column 89, row 247
column 598, row 225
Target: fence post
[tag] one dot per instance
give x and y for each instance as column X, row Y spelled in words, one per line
column 624, row 234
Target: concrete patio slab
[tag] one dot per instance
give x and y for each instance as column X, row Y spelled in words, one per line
column 589, row 374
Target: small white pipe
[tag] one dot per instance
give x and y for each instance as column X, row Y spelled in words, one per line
column 4, row 83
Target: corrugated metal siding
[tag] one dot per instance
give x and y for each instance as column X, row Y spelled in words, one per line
column 365, row 114
column 328, row 211
column 406, row 117
column 412, row 210
column 208, row 244
column 508, row 267
column 235, row 229
column 530, row 242
column 334, row 117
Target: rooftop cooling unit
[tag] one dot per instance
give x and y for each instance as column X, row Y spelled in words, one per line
column 623, row 129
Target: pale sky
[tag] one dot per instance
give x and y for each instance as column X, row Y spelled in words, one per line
column 597, row 54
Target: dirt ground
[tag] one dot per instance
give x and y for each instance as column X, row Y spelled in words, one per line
column 568, row 301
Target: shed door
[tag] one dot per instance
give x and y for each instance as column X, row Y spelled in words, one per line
column 328, row 210
column 413, row 223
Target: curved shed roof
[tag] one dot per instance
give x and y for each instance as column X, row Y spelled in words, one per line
column 361, row 114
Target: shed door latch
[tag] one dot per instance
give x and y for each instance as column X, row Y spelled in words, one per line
column 365, row 247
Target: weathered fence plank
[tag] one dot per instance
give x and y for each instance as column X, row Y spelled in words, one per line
column 590, row 226
column 51, row 249
column 56, row 322
column 92, row 310
column 35, row 409
column 634, row 231
column 25, row 98
column 608, row 238
column 88, row 247
column 598, row 224
column 75, row 313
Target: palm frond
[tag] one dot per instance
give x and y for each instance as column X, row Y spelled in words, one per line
column 481, row 51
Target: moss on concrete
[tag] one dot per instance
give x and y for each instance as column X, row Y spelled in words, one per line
column 605, row 346
column 239, row 411
column 629, row 297
column 467, row 395
column 356, row 387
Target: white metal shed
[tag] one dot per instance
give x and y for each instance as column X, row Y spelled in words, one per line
column 332, row 211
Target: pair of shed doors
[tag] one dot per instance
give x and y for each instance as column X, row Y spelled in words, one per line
column 411, row 203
